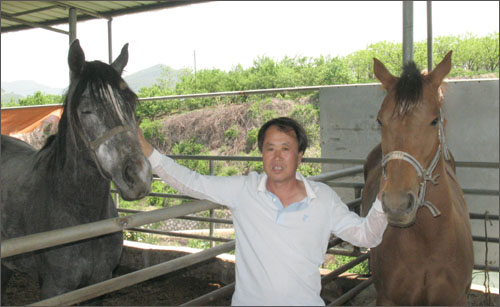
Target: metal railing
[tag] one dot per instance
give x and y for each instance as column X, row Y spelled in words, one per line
column 131, row 223
column 326, row 178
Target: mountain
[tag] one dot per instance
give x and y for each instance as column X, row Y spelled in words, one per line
column 9, row 96
column 25, row 88
column 143, row 78
column 149, row 76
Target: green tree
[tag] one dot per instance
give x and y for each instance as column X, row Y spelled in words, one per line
column 40, row 98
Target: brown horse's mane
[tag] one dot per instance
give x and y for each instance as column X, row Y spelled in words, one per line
column 408, row 88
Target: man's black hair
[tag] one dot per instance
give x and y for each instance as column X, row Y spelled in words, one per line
column 284, row 124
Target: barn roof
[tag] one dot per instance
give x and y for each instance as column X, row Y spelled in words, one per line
column 23, row 15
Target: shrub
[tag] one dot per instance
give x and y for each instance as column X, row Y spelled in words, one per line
column 232, row 132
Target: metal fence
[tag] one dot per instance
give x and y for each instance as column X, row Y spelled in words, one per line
column 132, row 222
column 328, row 178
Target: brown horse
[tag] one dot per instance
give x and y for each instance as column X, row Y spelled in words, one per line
column 426, row 255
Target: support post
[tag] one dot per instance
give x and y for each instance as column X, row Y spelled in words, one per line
column 72, row 25
column 407, row 31
column 110, row 41
column 429, row 36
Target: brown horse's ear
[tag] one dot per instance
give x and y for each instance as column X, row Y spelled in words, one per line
column 121, row 60
column 442, row 69
column 383, row 75
column 76, row 58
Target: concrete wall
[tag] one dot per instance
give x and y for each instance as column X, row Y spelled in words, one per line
column 349, row 130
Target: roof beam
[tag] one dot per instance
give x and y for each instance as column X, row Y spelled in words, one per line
column 32, row 24
column 41, row 9
column 67, row 6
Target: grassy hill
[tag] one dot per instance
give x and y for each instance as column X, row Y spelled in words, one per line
column 149, row 76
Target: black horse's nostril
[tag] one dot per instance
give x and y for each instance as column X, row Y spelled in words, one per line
column 129, row 172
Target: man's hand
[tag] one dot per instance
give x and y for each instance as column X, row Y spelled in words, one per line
column 147, row 149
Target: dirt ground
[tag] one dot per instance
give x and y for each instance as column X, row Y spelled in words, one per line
column 175, row 289
column 168, row 290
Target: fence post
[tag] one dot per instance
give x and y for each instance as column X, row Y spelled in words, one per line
column 212, row 211
column 117, row 200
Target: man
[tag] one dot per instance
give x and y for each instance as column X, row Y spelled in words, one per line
column 282, row 221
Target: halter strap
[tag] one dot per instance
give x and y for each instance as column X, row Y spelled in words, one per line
column 425, row 174
column 94, row 145
column 107, row 135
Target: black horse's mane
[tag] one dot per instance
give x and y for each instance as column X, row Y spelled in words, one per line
column 408, row 88
column 96, row 76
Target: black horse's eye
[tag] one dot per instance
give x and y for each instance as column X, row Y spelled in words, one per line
column 86, row 112
column 435, row 121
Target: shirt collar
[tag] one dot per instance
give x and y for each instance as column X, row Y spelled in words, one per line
column 309, row 191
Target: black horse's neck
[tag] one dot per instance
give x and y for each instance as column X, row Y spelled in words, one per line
column 69, row 161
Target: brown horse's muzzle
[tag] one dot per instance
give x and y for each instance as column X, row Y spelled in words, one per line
column 400, row 207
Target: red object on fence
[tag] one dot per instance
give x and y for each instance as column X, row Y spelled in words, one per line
column 25, row 120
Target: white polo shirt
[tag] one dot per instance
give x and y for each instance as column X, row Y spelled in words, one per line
column 278, row 250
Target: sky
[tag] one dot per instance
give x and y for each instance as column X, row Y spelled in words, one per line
column 226, row 33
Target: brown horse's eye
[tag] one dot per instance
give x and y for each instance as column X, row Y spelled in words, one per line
column 379, row 122
column 435, row 121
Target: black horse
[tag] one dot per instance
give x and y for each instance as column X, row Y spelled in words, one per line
column 67, row 182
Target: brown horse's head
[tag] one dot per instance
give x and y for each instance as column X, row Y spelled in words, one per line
column 410, row 121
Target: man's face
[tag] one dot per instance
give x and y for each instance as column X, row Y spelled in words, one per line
column 280, row 154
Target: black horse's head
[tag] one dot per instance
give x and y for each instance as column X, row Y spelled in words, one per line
column 100, row 110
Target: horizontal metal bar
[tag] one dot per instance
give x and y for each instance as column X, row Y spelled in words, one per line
column 334, row 242
column 206, row 219
column 482, row 216
column 179, row 234
column 335, row 274
column 354, row 203
column 350, row 253
column 477, row 164
column 204, row 300
column 32, row 107
column 482, row 267
column 187, row 217
column 136, row 277
column 319, row 160
column 84, row 11
column 164, row 195
column 32, row 24
column 41, row 9
column 349, row 171
column 259, row 159
column 241, row 93
column 483, row 239
column 486, row 192
column 51, row 238
column 339, row 184
column 351, row 293
column 467, row 191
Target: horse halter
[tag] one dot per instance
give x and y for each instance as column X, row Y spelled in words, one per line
column 425, row 174
column 94, row 145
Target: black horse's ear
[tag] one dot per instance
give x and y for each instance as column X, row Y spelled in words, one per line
column 121, row 60
column 76, row 58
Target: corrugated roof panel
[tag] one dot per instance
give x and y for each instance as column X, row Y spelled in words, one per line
column 58, row 12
